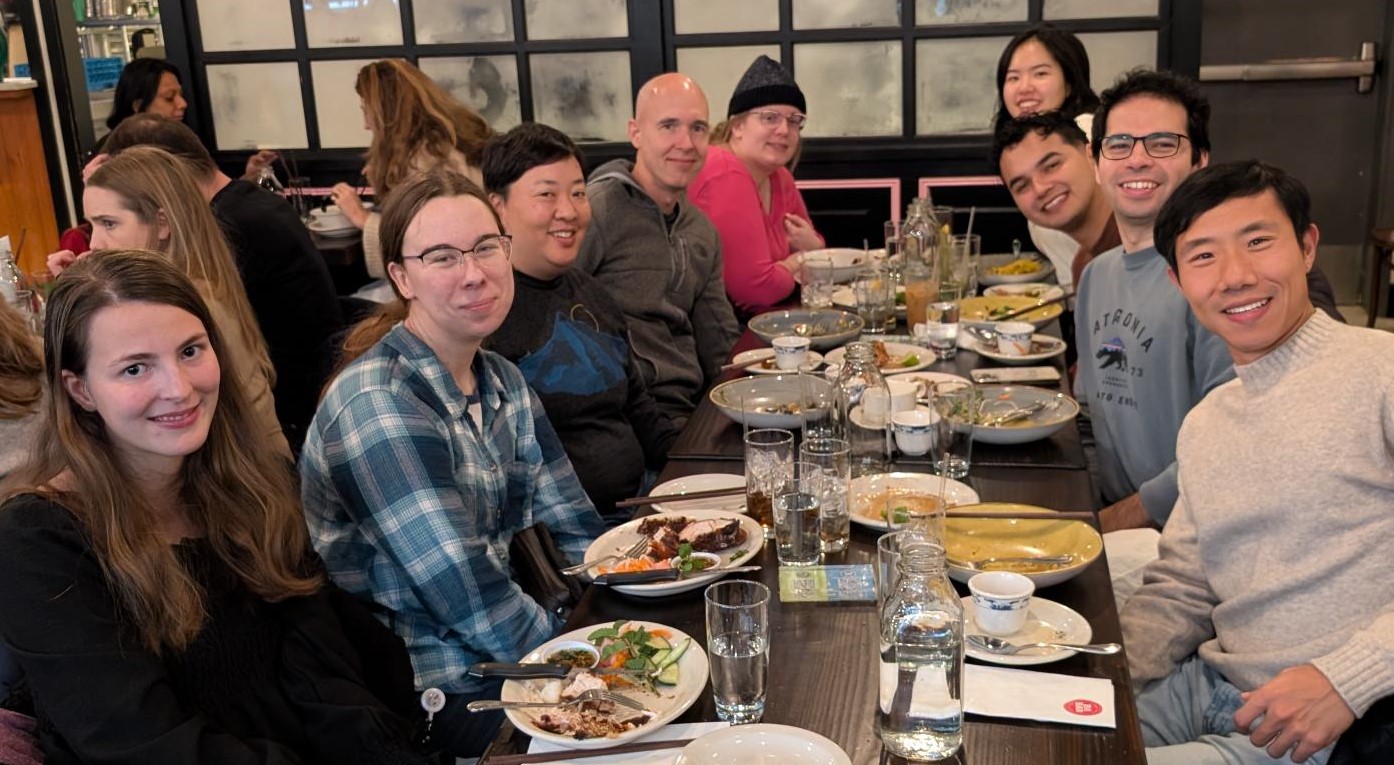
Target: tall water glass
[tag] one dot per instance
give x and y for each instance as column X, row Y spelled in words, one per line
column 961, row 269
column 769, row 470
column 797, row 516
column 832, row 456
column 874, row 293
column 959, row 404
column 738, row 645
column 893, row 247
column 817, row 401
column 816, row 280
column 941, row 327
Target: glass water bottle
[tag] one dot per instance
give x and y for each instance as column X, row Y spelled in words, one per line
column 862, row 410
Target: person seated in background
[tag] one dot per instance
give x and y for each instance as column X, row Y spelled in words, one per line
column 287, row 281
column 146, row 198
column 160, row 594
column 1266, row 626
column 1044, row 162
column 416, row 126
column 659, row 256
column 745, row 187
column 1045, row 70
column 21, row 401
column 566, row 335
column 428, row 454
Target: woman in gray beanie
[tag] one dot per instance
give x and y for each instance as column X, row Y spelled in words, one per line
column 746, row 189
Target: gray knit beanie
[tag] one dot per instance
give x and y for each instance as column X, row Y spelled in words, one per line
column 765, row 83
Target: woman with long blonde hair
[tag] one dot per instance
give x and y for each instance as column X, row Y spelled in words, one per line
column 416, row 126
column 146, row 198
column 160, row 596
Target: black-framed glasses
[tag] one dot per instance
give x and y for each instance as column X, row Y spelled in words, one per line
column 487, row 251
column 1157, row 145
column 771, row 119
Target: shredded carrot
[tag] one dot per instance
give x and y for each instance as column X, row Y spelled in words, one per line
column 633, row 564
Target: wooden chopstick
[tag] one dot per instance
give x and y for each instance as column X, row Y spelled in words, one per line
column 1026, row 516
column 748, row 363
column 1041, row 304
column 708, row 494
column 581, row 754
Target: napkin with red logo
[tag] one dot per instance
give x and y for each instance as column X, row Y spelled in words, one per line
column 1001, row 692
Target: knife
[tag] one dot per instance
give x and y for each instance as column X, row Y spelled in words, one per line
column 664, row 575
column 516, row 671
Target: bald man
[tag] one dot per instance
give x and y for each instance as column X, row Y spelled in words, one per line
column 656, row 253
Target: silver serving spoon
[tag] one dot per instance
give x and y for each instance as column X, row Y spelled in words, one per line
column 1003, row 648
column 1045, row 560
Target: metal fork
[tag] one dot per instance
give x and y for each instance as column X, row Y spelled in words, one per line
column 631, row 552
column 594, row 694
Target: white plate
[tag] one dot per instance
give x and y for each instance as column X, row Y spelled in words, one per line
column 863, row 488
column 1046, row 622
column 1056, row 345
column 895, row 351
column 1038, row 290
column 666, row 705
column 988, row 261
column 622, row 537
column 324, row 230
column 701, row 482
column 762, row 744
column 847, row 262
column 1003, row 398
column 754, row 359
column 928, row 379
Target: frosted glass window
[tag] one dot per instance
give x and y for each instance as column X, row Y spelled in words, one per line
column 718, row 70
column 956, row 84
column 257, row 106
column 1113, row 53
column 700, row 16
column 337, row 111
column 931, row 12
column 1095, row 9
column 462, row 21
column 245, row 25
column 486, row 84
column 845, row 14
column 852, row 88
column 588, row 96
column 350, row 23
column 573, row 19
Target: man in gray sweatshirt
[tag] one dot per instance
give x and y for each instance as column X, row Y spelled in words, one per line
column 1266, row 626
column 657, row 254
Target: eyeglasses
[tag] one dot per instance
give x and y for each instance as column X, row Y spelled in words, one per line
column 771, row 119
column 1157, row 145
column 484, row 253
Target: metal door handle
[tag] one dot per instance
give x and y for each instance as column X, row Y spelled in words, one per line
column 1328, row 68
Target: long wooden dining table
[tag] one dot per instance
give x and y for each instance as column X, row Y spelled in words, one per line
column 823, row 673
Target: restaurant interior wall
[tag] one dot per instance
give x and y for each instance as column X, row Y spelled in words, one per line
column 896, row 88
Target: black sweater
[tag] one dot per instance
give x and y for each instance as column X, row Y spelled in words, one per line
column 571, row 343
column 262, row 683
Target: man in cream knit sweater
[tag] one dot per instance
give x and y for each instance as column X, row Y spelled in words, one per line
column 1267, row 624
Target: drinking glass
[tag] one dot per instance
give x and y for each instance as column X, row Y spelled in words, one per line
column 960, row 269
column 817, row 402
column 893, row 248
column 874, row 293
column 738, row 645
column 796, row 516
column 833, row 457
column 769, row 469
column 817, row 281
column 888, row 548
column 941, row 327
column 959, row 404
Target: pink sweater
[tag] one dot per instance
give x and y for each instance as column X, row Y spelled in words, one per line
column 753, row 242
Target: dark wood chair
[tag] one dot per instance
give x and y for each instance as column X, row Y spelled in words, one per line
column 1383, row 240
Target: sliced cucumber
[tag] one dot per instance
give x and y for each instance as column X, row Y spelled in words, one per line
column 671, row 659
column 669, row 675
column 660, row 656
column 659, row 642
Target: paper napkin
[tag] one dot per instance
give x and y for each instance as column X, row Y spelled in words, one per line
column 657, row 757
column 1026, row 695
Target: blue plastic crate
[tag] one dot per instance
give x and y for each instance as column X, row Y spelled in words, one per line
column 102, row 73
column 21, row 70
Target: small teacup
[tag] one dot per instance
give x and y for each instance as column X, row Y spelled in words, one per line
column 790, row 351
column 1014, row 338
column 914, row 431
column 902, row 399
column 1001, row 600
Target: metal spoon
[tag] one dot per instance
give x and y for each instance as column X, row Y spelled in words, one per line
column 1003, row 648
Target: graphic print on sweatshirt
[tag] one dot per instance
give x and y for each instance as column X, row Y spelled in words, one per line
column 1122, row 348
column 578, row 359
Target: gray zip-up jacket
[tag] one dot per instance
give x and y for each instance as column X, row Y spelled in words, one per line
column 667, row 283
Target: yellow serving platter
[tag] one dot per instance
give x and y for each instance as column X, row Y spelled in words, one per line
column 978, row 539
